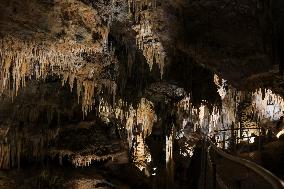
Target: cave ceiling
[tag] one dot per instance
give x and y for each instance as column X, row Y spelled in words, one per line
column 124, row 48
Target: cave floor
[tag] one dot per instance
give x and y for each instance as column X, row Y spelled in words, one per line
column 59, row 177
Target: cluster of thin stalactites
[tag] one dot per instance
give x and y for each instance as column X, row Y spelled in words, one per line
column 22, row 59
column 142, row 118
column 79, row 160
column 147, row 39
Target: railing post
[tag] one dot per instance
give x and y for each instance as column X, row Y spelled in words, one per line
column 241, row 131
column 205, row 165
column 239, row 184
column 214, row 171
column 259, row 139
column 224, row 140
column 236, row 140
column 233, row 138
column 201, row 176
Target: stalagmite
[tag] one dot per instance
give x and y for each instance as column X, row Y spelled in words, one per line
column 169, row 148
column 189, row 149
column 141, row 154
column 169, row 159
column 138, row 124
column 280, row 133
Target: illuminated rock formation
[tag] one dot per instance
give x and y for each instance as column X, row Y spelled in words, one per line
column 138, row 124
column 146, row 38
column 134, row 83
column 267, row 104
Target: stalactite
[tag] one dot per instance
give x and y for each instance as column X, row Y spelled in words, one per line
column 267, row 105
column 81, row 159
column 147, row 39
column 215, row 120
column 89, row 90
column 16, row 144
column 85, row 161
column 220, row 117
column 260, row 108
column 24, row 56
column 204, row 118
column 146, row 116
column 138, row 124
column 188, row 114
column 5, row 156
column 4, row 148
column 221, row 84
column 29, row 57
column 262, row 105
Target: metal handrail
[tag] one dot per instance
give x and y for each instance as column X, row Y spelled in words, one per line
column 235, row 138
column 275, row 182
column 218, row 178
column 236, row 129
